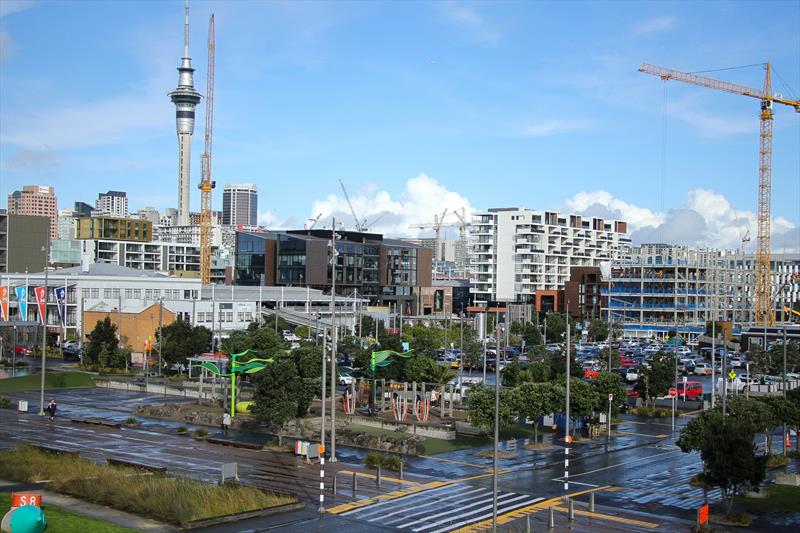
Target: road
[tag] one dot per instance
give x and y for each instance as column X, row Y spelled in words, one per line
column 639, row 478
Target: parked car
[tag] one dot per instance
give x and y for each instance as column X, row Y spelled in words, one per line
column 690, row 390
column 72, row 354
column 22, row 351
column 588, row 373
column 289, row 336
column 702, row 369
column 632, row 374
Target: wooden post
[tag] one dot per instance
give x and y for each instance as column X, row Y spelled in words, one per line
column 378, row 477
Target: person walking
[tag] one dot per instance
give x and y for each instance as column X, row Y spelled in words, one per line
column 51, row 409
column 226, row 422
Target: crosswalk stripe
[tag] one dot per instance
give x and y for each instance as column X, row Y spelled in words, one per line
column 461, row 513
column 438, row 501
column 508, row 509
column 366, row 506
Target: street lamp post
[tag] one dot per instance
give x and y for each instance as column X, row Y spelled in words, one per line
column 44, row 325
column 496, row 420
column 334, row 256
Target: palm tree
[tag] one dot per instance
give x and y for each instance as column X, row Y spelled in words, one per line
column 440, row 375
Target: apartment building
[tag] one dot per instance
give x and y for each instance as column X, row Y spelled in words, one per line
column 113, row 228
column 36, row 200
column 112, row 203
column 519, row 254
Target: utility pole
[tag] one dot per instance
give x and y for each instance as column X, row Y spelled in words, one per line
column 496, row 419
column 161, row 334
column 334, row 255
column 567, row 437
column 324, row 383
column 44, row 326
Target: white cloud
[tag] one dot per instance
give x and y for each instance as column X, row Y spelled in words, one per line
column 555, row 126
column 705, row 219
column 422, row 198
column 654, row 25
column 478, row 28
column 7, row 46
column 8, row 7
column 603, row 203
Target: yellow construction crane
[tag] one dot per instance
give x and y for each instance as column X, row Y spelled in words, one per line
column 764, row 314
column 436, row 225
column 206, row 183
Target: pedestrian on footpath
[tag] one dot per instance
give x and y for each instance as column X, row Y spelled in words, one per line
column 51, row 409
column 226, row 421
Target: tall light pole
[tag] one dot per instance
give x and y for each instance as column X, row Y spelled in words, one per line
column 334, row 255
column 567, row 436
column 496, row 418
column 44, row 324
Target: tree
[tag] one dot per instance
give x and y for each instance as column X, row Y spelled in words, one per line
column 557, row 326
column 180, row 340
column 480, row 407
column 102, row 337
column 793, row 397
column 777, row 412
column 729, row 457
column 609, row 383
column 693, row 433
column 763, row 361
column 535, row 401
column 537, row 372
column 425, row 341
column 531, row 335
column 749, row 412
column 583, row 400
column 598, row 330
column 308, row 362
column 473, row 349
column 656, row 380
column 516, row 328
column 511, row 374
column 558, row 365
column 274, row 398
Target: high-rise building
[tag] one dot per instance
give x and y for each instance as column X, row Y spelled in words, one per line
column 23, row 240
column 36, row 200
column 240, row 204
column 112, row 203
column 520, row 255
column 185, row 98
column 66, row 223
column 84, row 209
column 169, row 217
column 149, row 213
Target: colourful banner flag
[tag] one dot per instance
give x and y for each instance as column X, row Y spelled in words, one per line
column 41, row 296
column 61, row 301
column 4, row 302
column 22, row 302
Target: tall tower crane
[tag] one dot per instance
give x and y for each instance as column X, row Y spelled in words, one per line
column 436, row 225
column 463, row 229
column 206, row 183
column 764, row 314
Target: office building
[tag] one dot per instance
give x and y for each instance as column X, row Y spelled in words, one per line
column 66, row 223
column 518, row 255
column 240, row 204
column 36, row 200
column 112, row 203
column 115, row 229
column 169, row 217
column 23, row 242
column 216, row 218
column 387, row 272
column 84, row 209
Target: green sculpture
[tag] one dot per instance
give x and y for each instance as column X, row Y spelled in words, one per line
column 381, row 359
column 251, row 366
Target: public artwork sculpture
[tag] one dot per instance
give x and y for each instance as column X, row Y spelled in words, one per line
column 251, row 366
column 379, row 360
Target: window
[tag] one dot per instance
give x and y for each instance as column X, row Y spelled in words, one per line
column 240, row 316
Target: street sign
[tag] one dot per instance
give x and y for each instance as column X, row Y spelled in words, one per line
column 702, row 515
column 19, row 499
column 610, row 397
column 685, row 379
column 732, row 374
column 673, row 392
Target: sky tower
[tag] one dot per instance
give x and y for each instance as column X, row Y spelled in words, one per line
column 185, row 98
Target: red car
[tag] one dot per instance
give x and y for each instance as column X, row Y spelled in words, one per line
column 690, row 390
column 588, row 373
column 22, row 350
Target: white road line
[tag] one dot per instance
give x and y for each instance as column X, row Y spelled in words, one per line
column 438, row 501
column 508, row 509
column 461, row 512
column 462, row 504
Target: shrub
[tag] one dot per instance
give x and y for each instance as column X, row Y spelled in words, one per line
column 183, row 430
column 388, row 461
column 130, row 421
column 200, row 433
column 777, row 461
column 5, row 402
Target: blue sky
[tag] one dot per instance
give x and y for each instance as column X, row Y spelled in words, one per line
column 415, row 106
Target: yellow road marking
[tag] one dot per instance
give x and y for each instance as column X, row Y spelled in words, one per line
column 530, row 509
column 691, row 413
column 612, row 518
column 386, row 497
column 383, row 478
column 479, row 476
